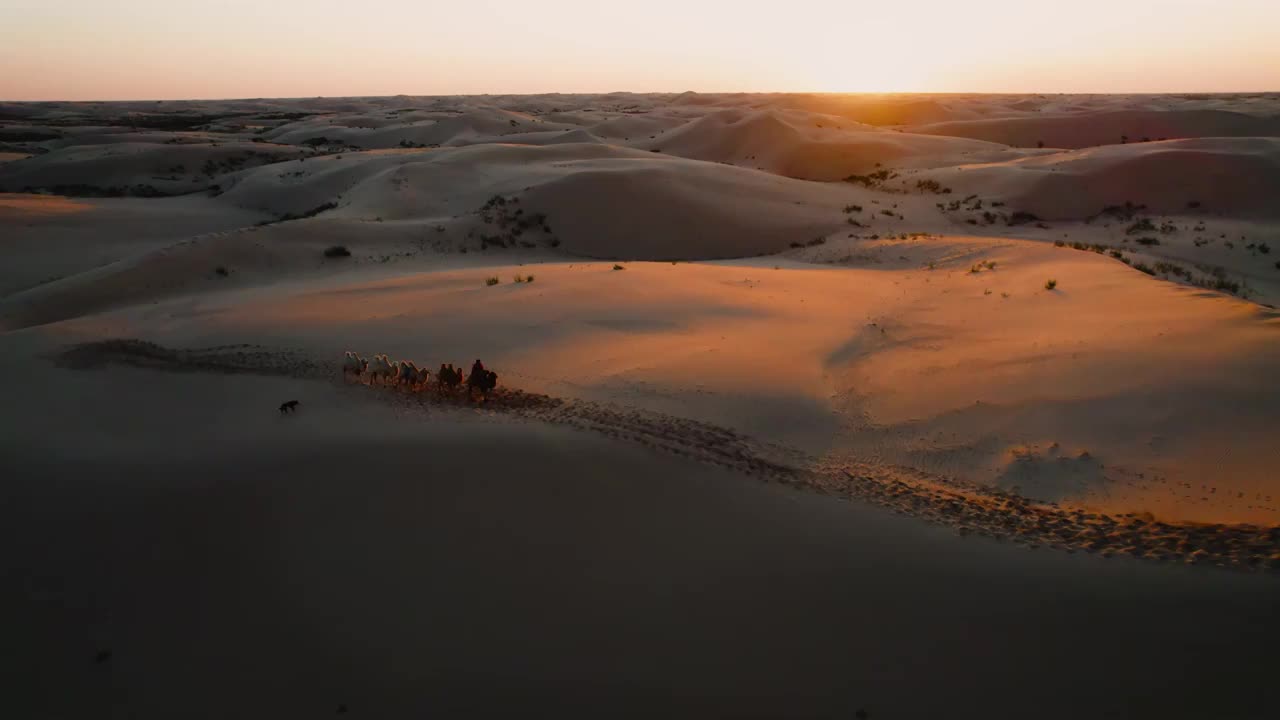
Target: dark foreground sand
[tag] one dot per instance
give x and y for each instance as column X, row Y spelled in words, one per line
column 448, row 564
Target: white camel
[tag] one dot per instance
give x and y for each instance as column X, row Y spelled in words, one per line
column 380, row 369
column 353, row 364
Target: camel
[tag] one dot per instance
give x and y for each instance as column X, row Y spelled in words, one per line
column 484, row 381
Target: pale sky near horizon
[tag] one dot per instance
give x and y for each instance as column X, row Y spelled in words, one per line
column 171, row 49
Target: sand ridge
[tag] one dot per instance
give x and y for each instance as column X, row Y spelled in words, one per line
column 968, row 508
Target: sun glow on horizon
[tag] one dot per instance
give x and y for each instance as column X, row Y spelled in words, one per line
column 150, row 49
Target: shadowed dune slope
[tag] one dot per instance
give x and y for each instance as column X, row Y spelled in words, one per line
column 812, row 147
column 602, row 200
column 1239, row 176
column 1079, row 130
column 363, row 131
column 135, row 168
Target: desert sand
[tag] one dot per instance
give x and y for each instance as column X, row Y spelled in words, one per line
column 809, row 404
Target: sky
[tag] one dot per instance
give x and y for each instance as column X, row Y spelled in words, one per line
column 178, row 49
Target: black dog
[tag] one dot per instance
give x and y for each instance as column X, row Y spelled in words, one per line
column 286, row 408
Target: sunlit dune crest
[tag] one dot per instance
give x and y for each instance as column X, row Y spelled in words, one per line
column 15, row 207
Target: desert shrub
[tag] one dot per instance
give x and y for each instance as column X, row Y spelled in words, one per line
column 1121, row 212
column 816, row 241
column 872, row 180
column 302, row 215
column 491, row 281
column 528, row 278
column 1020, row 217
column 1169, row 268
column 1059, row 243
column 1224, row 285
column 518, row 279
column 1148, row 241
column 618, row 267
column 931, row 186
column 852, row 209
column 1050, row 284
column 1264, row 248
column 337, row 251
column 221, row 271
column 1141, row 226
column 1143, row 267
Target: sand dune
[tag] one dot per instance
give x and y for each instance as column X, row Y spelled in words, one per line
column 707, row 312
column 865, row 381
column 652, row 206
column 386, row 559
column 1171, row 177
column 134, row 168
column 812, row 147
column 1081, row 130
column 59, row 237
column 368, row 132
column 394, row 204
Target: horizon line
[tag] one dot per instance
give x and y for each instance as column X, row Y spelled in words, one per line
column 635, row 92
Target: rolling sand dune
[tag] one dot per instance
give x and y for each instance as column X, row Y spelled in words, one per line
column 1106, row 128
column 811, row 147
column 388, row 560
column 59, row 237
column 808, row 406
column 1171, row 177
column 145, row 169
column 383, row 132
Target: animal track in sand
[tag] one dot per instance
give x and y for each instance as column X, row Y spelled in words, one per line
column 969, row 508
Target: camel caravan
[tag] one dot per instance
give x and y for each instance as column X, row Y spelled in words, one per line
column 381, row 370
